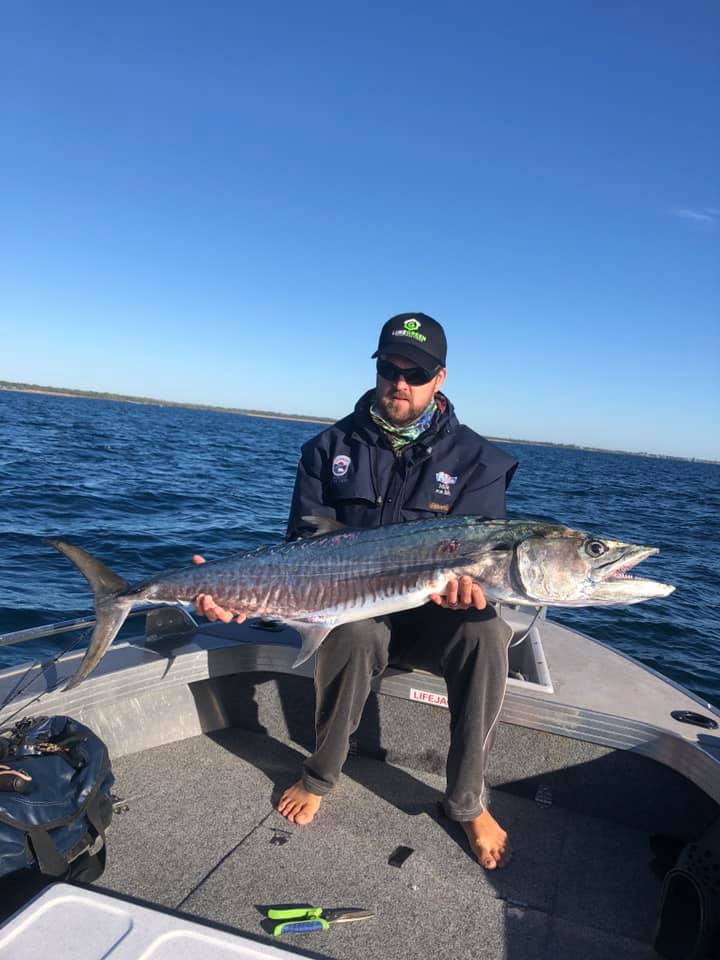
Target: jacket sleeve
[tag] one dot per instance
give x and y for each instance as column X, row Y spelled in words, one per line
column 487, row 501
column 310, row 493
column 486, row 497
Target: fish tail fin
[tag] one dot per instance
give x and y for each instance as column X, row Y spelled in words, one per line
column 110, row 609
column 104, row 582
column 109, row 617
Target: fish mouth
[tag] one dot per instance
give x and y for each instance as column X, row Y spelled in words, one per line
column 615, row 585
column 617, row 569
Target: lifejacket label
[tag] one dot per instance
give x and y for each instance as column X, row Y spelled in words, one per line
column 427, row 696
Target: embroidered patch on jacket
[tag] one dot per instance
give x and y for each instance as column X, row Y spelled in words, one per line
column 443, row 477
column 444, row 482
column 439, row 507
column 340, row 465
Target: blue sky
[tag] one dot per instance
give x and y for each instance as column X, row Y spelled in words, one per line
column 223, row 202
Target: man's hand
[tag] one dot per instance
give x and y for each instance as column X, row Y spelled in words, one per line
column 461, row 595
column 205, row 605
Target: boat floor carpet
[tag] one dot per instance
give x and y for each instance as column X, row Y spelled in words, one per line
column 201, row 837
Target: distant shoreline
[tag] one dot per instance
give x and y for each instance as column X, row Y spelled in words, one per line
column 152, row 402
column 301, row 418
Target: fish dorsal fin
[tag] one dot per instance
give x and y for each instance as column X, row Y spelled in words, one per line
column 322, row 525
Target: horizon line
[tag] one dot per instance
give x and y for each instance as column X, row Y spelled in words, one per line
column 9, row 385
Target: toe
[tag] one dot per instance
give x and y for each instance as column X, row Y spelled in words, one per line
column 287, row 809
column 504, row 857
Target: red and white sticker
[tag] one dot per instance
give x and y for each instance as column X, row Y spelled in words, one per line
column 427, row 696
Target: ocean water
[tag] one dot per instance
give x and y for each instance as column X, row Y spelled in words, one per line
column 144, row 487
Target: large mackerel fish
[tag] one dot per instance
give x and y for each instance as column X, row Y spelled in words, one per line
column 343, row 574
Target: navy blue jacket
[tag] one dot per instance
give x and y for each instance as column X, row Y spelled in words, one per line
column 350, row 473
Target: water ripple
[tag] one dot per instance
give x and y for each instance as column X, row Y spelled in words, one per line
column 145, row 487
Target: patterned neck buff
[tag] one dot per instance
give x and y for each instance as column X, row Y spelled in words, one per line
column 400, row 437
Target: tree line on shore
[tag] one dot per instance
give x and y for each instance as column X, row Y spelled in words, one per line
column 275, row 415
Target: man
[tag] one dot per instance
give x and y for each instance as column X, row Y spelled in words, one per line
column 402, row 455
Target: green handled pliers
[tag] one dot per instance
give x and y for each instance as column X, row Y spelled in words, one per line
column 307, row 919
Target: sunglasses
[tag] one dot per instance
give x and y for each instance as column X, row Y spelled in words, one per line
column 413, row 376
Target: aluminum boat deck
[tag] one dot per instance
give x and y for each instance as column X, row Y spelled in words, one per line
column 206, row 731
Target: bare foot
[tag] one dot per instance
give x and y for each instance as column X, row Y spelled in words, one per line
column 299, row 805
column 488, row 840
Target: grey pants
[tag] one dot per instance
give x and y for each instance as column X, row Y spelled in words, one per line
column 469, row 648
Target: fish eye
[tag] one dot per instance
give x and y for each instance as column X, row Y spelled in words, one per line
column 595, row 548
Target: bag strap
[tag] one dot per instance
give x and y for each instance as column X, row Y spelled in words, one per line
column 93, row 812
column 50, row 861
column 87, row 868
column 49, row 858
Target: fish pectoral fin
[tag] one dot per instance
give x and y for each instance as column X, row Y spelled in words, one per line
column 323, row 524
column 312, row 635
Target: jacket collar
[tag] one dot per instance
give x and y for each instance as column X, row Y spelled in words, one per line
column 365, row 428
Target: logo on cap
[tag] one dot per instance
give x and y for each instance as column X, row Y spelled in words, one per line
column 410, row 329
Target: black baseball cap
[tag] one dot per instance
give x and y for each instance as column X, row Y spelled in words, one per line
column 415, row 336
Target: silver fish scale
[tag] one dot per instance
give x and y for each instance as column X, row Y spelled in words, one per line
column 317, row 583
column 354, row 574
column 331, row 572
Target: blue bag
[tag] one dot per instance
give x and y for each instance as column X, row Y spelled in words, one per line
column 55, row 799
